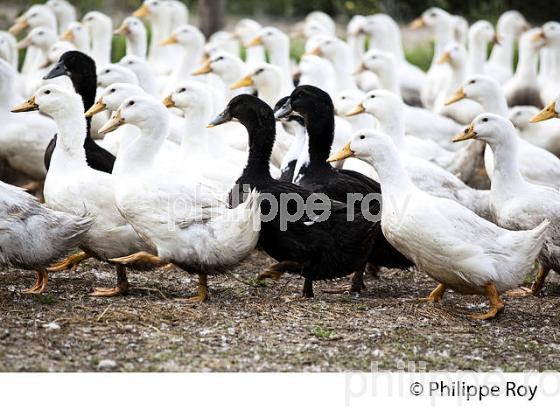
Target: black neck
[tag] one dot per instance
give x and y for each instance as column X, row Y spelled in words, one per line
column 320, row 129
column 86, row 85
column 262, row 133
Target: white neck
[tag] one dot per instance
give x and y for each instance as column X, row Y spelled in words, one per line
column 506, row 178
column 502, row 53
column 393, row 125
column 388, row 78
column 477, row 56
column 443, row 34
column 495, row 104
column 190, row 60
column 357, row 45
column 72, row 130
column 136, row 46
column 394, row 180
column 280, row 56
column 527, row 66
column 101, row 47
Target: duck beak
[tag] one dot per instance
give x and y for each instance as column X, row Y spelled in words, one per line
column 114, row 122
column 284, row 111
column 458, row 96
column 172, row 39
column 143, row 11
column 358, row 110
column 445, row 58
column 168, row 101
column 257, row 41
column 417, row 23
column 246, row 81
column 26, row 42
column 98, row 107
column 361, row 68
column 123, row 30
column 20, row 25
column 315, row 52
column 67, row 36
column 539, row 36
column 58, row 70
column 547, row 113
column 29, row 105
column 222, row 118
column 497, row 39
column 465, row 135
column 343, row 153
column 204, row 69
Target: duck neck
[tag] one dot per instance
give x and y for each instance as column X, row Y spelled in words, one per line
column 101, row 46
column 320, row 130
column 85, row 85
column 495, row 104
column 478, row 51
column 136, row 46
column 262, row 133
column 280, row 56
column 195, row 140
column 270, row 93
column 388, row 79
column 527, row 67
column 507, row 175
column 357, row 45
column 392, row 124
column 141, row 152
column 443, row 35
column 72, row 131
column 394, row 180
column 502, row 53
column 190, row 60
column 254, row 55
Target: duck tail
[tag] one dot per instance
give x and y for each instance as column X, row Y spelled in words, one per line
column 537, row 236
column 245, row 220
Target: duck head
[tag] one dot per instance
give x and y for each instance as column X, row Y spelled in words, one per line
column 490, row 128
column 113, row 96
column 142, row 111
column 479, row 88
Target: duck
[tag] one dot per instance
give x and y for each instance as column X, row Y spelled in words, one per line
column 455, row 55
column 450, row 243
column 356, row 38
column 115, row 73
column 135, row 34
column 345, row 102
column 201, row 236
column 74, row 187
column 316, row 71
column 550, row 85
column 78, row 35
column 387, row 108
column 312, row 245
column 316, row 174
column 536, row 164
column 53, row 55
column 339, row 54
column 481, row 35
column 419, row 121
column 544, row 135
column 500, row 63
column 100, row 28
column 23, row 140
column 229, row 68
column 34, row 236
column 80, row 68
column 516, row 203
column 461, row 29
column 440, row 24
column 8, row 49
column 143, row 71
column 523, row 87
column 267, row 80
column 65, row 13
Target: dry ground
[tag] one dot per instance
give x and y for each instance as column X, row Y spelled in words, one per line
column 249, row 326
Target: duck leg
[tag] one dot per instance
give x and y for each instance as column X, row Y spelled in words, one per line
column 536, row 287
column 71, row 261
column 496, row 303
column 139, row 258
column 356, row 286
column 437, row 294
column 308, row 288
column 202, row 287
column 40, row 284
column 276, row 270
column 120, row 289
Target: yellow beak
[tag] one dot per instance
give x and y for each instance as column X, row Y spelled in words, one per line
column 98, row 107
column 168, row 101
column 458, row 96
column 19, row 26
column 315, row 52
column 445, row 58
column 358, row 110
column 343, row 153
column 123, row 30
column 114, row 122
column 465, row 135
column 29, row 105
column 67, row 36
column 246, row 81
column 497, row 39
column 538, row 36
column 257, row 41
column 361, row 68
column 143, row 11
column 172, row 39
column 417, row 23
column 547, row 113
column 204, row 69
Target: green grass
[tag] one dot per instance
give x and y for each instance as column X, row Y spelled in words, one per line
column 322, row 333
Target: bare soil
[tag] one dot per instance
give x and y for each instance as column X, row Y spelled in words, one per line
column 253, row 326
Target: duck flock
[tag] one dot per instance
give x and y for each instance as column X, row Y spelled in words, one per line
column 194, row 151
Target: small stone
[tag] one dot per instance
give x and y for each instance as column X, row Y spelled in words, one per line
column 106, row 364
column 52, row 326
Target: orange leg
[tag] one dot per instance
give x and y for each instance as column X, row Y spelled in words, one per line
column 40, row 284
column 139, row 257
column 202, row 287
column 437, row 294
column 71, row 261
column 120, row 289
column 536, row 287
column 276, row 270
column 496, row 303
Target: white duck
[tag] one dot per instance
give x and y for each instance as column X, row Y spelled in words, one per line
column 523, row 87
column 24, row 138
column 100, row 28
column 500, row 64
column 345, row 102
column 449, row 242
column 65, row 13
column 135, row 34
column 202, row 235
column 542, row 134
column 78, row 34
column 115, row 73
column 267, row 80
column 318, row 72
column 536, row 164
column 550, row 83
column 245, row 30
column 8, row 49
column 34, row 236
column 481, row 34
column 72, row 186
column 339, row 54
column 228, row 68
column 143, row 71
column 516, row 203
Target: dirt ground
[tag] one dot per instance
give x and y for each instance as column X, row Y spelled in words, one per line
column 251, row 326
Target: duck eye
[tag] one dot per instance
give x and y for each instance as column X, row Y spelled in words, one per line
column 260, row 70
column 472, row 82
column 47, row 92
column 485, row 119
column 343, row 98
column 112, row 90
column 107, row 71
column 131, row 103
column 372, row 96
column 362, row 137
column 182, row 90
